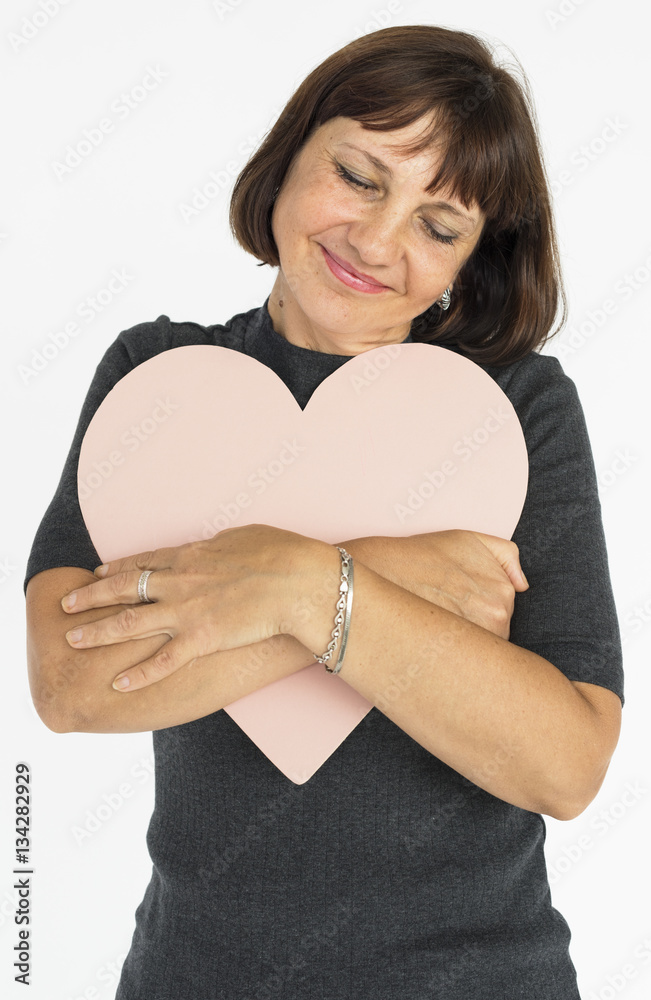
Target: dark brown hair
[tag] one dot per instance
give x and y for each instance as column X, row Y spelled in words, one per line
column 506, row 296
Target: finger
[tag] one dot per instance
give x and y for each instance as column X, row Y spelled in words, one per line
column 507, row 556
column 171, row 657
column 122, row 588
column 130, row 623
column 155, row 559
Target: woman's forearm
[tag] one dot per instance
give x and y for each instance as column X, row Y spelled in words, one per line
column 501, row 715
column 72, row 688
column 200, row 688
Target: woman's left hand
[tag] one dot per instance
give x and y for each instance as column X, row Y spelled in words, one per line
column 236, row 588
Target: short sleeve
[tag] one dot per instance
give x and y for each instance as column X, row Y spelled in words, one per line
column 62, row 538
column 568, row 614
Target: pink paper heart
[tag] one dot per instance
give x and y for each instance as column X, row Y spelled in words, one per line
column 399, row 440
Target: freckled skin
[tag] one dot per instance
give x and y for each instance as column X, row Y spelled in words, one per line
column 381, row 232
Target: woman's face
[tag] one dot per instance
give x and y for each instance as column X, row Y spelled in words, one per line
column 410, row 243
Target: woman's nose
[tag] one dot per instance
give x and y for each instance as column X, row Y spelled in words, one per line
column 377, row 237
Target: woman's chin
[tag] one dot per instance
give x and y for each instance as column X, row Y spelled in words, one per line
column 341, row 310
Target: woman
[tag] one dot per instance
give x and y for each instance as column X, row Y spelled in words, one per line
column 401, row 194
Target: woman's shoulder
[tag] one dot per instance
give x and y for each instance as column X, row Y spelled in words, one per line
column 546, row 401
column 137, row 344
column 535, row 381
column 534, row 369
column 146, row 340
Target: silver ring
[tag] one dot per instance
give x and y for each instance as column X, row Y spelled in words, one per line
column 142, row 586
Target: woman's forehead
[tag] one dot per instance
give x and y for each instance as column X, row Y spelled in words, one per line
column 423, row 130
column 388, row 152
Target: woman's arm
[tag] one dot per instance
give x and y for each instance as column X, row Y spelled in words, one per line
column 72, row 688
column 534, row 720
column 501, row 715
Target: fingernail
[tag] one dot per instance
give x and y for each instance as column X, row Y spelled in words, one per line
column 120, row 683
column 75, row 635
column 69, row 600
column 101, row 570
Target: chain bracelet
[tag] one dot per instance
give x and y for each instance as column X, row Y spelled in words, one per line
column 344, row 607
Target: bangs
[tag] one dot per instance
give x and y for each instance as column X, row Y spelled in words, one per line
column 470, row 125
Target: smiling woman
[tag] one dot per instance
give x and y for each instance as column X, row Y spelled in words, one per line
column 410, row 157
column 371, row 224
column 402, row 197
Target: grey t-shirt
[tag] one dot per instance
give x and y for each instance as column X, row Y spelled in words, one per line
column 387, row 875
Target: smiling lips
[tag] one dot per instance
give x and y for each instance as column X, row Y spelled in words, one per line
column 349, row 276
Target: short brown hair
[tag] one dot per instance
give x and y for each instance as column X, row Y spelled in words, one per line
column 507, row 294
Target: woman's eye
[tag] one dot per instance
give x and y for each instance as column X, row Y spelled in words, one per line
column 431, row 231
column 441, row 237
column 351, row 178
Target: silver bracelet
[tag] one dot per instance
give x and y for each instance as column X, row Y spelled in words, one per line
column 344, row 608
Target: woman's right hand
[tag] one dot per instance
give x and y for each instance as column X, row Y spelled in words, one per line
column 472, row 574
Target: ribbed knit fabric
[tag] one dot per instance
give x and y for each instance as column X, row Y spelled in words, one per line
column 387, row 875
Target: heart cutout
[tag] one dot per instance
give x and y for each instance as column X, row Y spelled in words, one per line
column 399, row 440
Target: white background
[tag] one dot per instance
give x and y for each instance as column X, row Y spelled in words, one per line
column 229, row 71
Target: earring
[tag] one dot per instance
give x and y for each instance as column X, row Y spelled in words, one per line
column 444, row 301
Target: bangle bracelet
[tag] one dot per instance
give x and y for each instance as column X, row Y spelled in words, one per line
column 344, row 608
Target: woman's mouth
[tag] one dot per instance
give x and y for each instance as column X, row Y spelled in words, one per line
column 350, row 278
